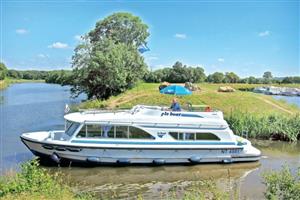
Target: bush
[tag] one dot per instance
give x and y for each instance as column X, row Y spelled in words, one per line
column 36, row 182
column 282, row 184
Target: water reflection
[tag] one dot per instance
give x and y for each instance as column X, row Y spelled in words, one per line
column 153, row 182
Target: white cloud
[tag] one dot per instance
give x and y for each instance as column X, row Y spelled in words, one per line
column 58, row 45
column 264, row 33
column 78, row 37
column 43, row 55
column 180, row 36
column 221, row 60
column 22, row 31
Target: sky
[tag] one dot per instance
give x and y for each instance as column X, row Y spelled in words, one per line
column 246, row 37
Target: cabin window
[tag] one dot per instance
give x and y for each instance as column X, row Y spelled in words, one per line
column 71, row 128
column 82, row 132
column 137, row 133
column 193, row 136
column 206, row 136
column 93, row 130
column 121, row 131
column 189, row 136
column 108, row 131
column 174, row 135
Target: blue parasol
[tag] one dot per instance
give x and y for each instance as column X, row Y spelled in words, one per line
column 175, row 90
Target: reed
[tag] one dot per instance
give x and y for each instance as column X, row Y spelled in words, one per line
column 272, row 126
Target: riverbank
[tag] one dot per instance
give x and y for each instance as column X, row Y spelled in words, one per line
column 241, row 101
column 6, row 82
column 34, row 182
column 255, row 115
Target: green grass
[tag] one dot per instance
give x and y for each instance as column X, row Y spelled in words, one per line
column 6, row 82
column 275, row 126
column 282, row 184
column 147, row 93
column 33, row 182
column 261, row 116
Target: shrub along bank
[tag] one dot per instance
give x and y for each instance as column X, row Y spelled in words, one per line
column 33, row 182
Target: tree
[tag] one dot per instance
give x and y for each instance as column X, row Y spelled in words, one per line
column 14, row 74
column 108, row 62
column 216, row 77
column 268, row 75
column 252, row 80
column 121, row 28
column 3, row 71
column 231, row 77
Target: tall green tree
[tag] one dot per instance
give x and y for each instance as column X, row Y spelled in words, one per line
column 267, row 77
column 108, row 61
column 217, row 77
column 3, row 71
column 121, row 28
column 231, row 77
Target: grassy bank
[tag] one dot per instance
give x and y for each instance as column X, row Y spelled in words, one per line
column 261, row 116
column 6, row 82
column 147, row 93
column 33, row 182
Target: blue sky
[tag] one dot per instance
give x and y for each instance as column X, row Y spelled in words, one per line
column 247, row 37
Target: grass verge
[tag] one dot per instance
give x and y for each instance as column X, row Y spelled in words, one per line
column 282, row 184
column 33, row 182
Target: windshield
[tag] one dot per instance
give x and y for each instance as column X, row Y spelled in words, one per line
column 71, row 128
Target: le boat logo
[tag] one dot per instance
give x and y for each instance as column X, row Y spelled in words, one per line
column 170, row 114
column 161, row 134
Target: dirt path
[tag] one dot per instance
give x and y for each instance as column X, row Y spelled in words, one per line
column 125, row 99
column 276, row 106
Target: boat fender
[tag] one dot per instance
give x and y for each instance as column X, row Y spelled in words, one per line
column 123, row 161
column 159, row 161
column 73, row 149
column 93, row 159
column 55, row 158
column 49, row 147
column 227, row 160
column 60, row 148
column 194, row 159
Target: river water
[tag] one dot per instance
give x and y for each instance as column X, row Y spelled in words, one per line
column 295, row 100
column 39, row 106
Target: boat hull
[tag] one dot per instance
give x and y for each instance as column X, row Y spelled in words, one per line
column 142, row 155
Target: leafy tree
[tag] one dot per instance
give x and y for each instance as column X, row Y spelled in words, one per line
column 14, row 74
column 268, row 75
column 295, row 79
column 216, row 77
column 120, row 28
column 108, row 62
column 252, row 80
column 179, row 73
column 231, row 77
column 3, row 71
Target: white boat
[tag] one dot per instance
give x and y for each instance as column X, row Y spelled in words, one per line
column 142, row 135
